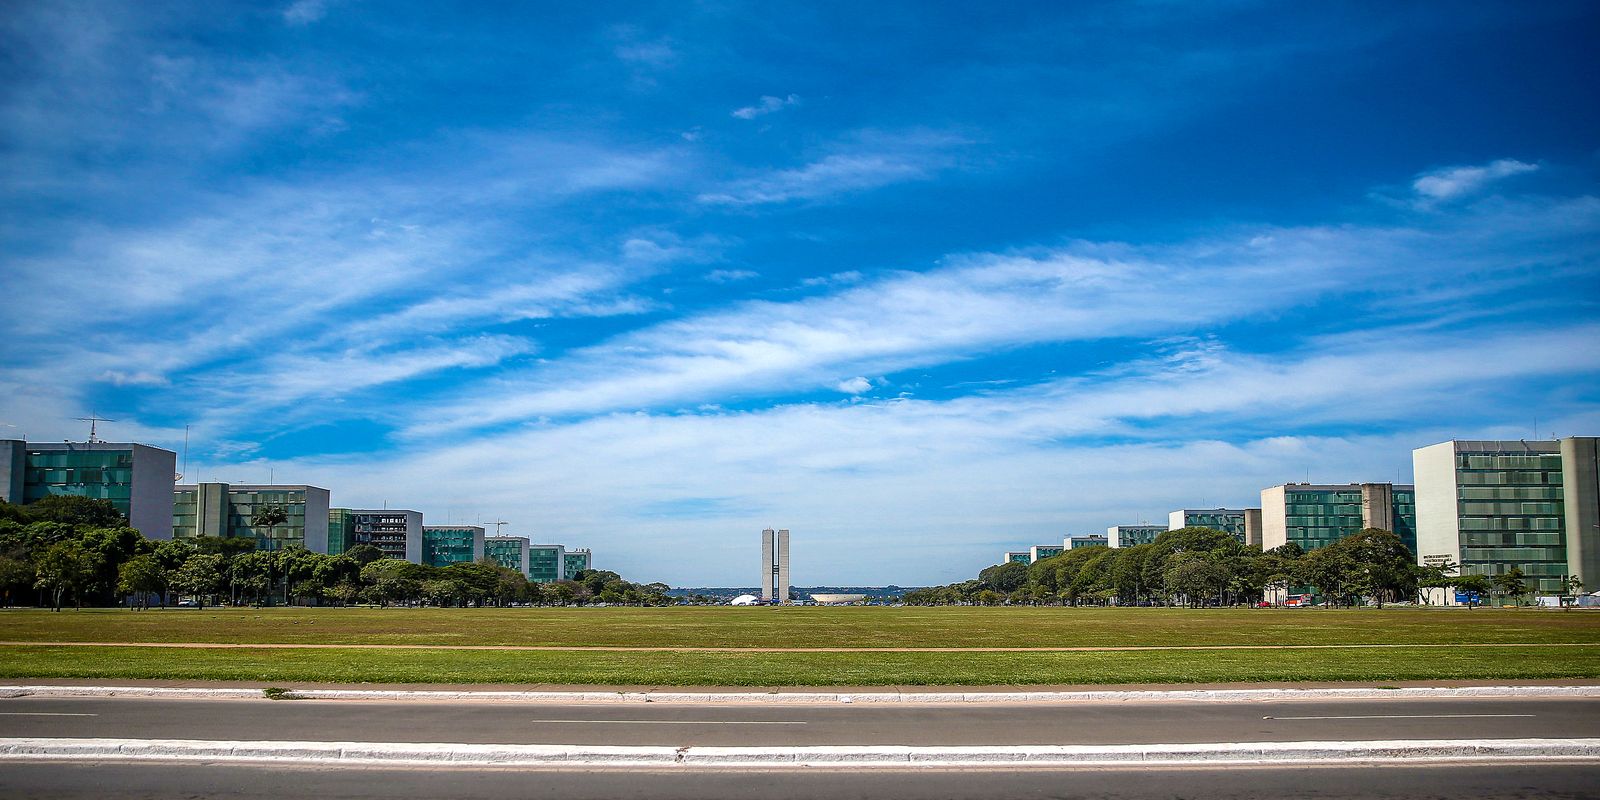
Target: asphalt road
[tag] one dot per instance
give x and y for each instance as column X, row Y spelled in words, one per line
column 1547, row 781
column 733, row 725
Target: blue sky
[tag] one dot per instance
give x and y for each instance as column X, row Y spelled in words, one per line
column 919, row 283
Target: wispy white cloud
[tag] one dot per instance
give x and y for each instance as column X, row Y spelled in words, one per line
column 731, row 275
column 870, row 162
column 945, row 477
column 305, row 12
column 1079, row 292
column 1450, row 183
column 834, row 279
column 766, row 105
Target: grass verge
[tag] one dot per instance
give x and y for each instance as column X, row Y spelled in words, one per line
column 795, row 669
column 807, row 627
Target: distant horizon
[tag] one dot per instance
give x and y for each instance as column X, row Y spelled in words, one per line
column 919, row 282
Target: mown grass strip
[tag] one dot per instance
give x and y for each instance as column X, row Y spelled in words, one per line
column 808, row 627
column 795, row 669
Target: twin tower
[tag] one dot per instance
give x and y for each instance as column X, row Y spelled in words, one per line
column 775, row 566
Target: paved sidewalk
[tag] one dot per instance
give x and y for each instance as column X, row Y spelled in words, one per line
column 598, row 756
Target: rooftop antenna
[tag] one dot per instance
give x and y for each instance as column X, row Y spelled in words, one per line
column 185, row 452
column 498, row 524
column 92, row 419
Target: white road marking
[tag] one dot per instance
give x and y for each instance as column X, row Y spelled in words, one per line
column 42, row 714
column 661, row 722
column 1416, row 716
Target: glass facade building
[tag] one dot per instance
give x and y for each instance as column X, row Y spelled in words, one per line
column 341, row 530
column 1040, row 552
column 443, row 545
column 1089, row 540
column 1227, row 520
column 230, row 511
column 1016, row 557
column 1489, row 506
column 510, row 552
column 546, row 563
column 1317, row 515
column 137, row 479
column 1130, row 535
column 574, row 562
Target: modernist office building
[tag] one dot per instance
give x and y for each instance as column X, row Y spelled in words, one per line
column 229, row 510
column 775, row 565
column 1088, row 540
column 1016, row 557
column 1039, row 552
column 397, row 532
column 443, row 545
column 136, row 478
column 1317, row 515
column 1227, row 520
column 546, row 563
column 1489, row 506
column 574, row 562
column 510, row 552
column 1130, row 535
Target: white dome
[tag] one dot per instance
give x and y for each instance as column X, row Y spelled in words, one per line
column 745, row 600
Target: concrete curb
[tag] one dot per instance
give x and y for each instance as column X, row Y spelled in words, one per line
column 378, row 753
column 818, row 698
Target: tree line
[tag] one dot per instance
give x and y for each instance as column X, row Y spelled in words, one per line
column 1202, row 566
column 65, row 548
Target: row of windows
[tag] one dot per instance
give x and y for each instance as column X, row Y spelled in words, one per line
column 1509, row 493
column 117, row 494
column 1534, row 570
column 80, row 458
column 1489, row 538
column 1530, row 461
column 1508, row 478
column 1321, row 498
column 1510, row 524
column 1519, row 555
column 1510, row 507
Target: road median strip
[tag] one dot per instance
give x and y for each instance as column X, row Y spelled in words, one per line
column 541, row 648
column 769, row 697
column 378, row 753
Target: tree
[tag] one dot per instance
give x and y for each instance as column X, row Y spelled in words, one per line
column 1512, row 585
column 250, row 576
column 390, row 580
column 64, row 567
column 1428, row 577
column 363, row 554
column 199, row 577
column 14, row 573
column 71, row 509
column 142, row 575
column 270, row 517
column 1327, row 570
column 1475, row 587
column 1007, row 577
column 1195, row 576
column 1378, row 564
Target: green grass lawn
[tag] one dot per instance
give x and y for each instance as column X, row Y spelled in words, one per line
column 805, row 627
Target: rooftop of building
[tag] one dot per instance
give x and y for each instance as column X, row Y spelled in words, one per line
column 1339, row 487
column 95, row 445
column 249, row 487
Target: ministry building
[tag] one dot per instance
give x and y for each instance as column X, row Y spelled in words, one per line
column 1489, row 506
column 136, row 478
